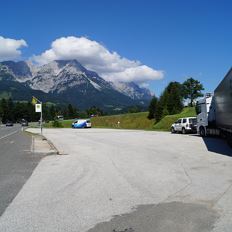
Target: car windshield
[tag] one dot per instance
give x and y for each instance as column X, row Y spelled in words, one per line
column 193, row 121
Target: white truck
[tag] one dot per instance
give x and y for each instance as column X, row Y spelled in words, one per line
column 215, row 111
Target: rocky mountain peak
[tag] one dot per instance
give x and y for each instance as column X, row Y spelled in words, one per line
column 69, row 78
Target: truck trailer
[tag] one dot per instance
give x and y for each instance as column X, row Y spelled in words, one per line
column 214, row 111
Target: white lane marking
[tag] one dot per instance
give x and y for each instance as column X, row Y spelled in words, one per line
column 5, row 136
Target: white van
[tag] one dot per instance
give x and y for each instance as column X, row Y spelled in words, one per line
column 185, row 125
column 82, row 123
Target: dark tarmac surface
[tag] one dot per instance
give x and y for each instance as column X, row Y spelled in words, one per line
column 17, row 162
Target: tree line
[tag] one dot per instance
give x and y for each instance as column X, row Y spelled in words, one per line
column 171, row 101
column 16, row 111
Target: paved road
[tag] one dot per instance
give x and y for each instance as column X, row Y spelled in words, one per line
column 126, row 181
column 16, row 163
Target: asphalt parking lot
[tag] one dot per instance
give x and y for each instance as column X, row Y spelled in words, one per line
column 126, row 181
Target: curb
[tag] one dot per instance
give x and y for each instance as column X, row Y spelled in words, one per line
column 52, row 146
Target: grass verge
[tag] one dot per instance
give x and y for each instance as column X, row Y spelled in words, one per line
column 132, row 121
column 127, row 121
column 165, row 123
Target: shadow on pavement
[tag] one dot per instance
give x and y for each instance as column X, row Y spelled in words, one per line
column 217, row 145
column 170, row 216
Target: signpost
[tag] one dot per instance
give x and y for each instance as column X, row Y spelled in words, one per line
column 39, row 109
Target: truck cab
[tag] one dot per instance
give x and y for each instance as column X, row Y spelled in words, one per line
column 206, row 115
column 202, row 108
column 215, row 111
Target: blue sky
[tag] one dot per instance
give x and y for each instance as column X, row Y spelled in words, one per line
column 182, row 38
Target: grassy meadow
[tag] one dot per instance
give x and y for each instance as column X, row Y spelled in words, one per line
column 132, row 121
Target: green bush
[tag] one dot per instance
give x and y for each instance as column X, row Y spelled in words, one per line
column 57, row 124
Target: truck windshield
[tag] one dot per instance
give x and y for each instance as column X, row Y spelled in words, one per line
column 198, row 108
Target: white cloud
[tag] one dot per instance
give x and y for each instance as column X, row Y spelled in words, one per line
column 10, row 48
column 94, row 56
column 139, row 74
column 144, row 85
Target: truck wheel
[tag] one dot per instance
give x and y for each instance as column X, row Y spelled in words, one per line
column 183, row 131
column 202, row 132
column 173, row 130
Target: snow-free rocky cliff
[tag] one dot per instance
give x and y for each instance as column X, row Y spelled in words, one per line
column 69, row 82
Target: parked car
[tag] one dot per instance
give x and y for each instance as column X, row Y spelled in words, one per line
column 60, row 117
column 24, row 122
column 185, row 125
column 81, row 123
column 9, row 123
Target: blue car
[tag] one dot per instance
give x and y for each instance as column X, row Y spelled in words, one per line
column 81, row 123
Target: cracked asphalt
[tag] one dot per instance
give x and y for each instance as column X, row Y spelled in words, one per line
column 126, row 181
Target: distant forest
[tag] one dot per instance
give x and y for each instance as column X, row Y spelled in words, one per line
column 16, row 111
column 170, row 102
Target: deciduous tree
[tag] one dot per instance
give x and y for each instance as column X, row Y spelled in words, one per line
column 192, row 89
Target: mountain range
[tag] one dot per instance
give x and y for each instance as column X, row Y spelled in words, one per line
column 67, row 81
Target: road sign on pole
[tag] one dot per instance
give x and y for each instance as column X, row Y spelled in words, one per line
column 39, row 109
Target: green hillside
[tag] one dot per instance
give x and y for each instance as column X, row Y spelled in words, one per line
column 133, row 121
column 127, row 121
column 165, row 123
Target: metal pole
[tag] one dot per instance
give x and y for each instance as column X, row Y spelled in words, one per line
column 41, row 114
column 41, row 119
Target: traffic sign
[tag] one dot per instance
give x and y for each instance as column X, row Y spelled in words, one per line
column 38, row 108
